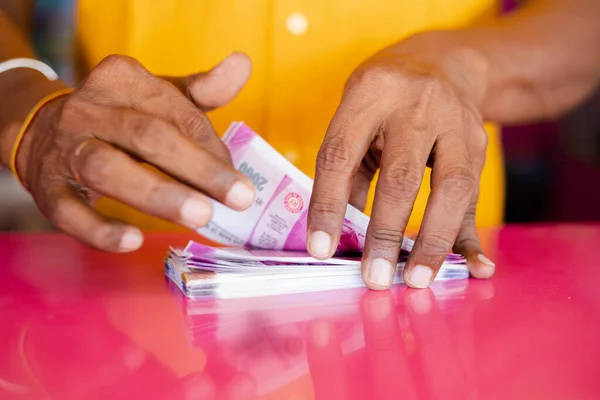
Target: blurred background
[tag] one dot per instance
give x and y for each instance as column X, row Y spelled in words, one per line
column 552, row 169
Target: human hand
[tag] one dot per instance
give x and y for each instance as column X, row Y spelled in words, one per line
column 412, row 105
column 92, row 142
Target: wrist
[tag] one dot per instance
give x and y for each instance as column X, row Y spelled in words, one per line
column 20, row 90
column 35, row 136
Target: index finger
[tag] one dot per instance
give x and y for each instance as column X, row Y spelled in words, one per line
column 346, row 142
column 160, row 144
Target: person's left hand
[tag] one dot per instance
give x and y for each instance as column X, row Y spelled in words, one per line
column 411, row 105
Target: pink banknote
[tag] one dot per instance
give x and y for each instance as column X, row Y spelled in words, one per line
column 278, row 218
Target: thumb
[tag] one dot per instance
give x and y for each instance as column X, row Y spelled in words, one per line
column 217, row 87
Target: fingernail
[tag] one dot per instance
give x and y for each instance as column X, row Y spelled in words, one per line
column 195, row 213
column 240, row 196
column 319, row 334
column 420, row 276
column 217, row 68
column 420, row 302
column 381, row 273
column 320, row 244
column 485, row 260
column 379, row 309
column 487, row 269
column 131, row 240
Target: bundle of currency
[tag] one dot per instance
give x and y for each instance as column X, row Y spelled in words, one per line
column 266, row 252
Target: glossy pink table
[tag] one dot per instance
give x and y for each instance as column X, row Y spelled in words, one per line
column 78, row 324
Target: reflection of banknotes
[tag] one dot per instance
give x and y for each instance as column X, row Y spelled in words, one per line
column 278, row 217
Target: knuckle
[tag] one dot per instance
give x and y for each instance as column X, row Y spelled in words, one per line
column 379, row 75
column 400, row 181
column 95, row 167
column 147, row 136
column 426, row 91
column 117, row 62
column 115, row 70
column 467, row 241
column 150, row 92
column 337, row 155
column 471, row 213
column 437, row 244
column 428, row 85
column 387, row 236
column 458, row 185
column 195, row 124
column 327, row 206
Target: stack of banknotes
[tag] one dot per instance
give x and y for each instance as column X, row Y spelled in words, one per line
column 262, row 250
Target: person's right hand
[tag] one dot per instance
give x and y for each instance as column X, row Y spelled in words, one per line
column 91, row 144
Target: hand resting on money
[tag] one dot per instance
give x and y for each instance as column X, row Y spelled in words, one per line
column 412, row 105
column 92, row 142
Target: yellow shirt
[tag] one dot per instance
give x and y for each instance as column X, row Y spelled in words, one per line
column 302, row 52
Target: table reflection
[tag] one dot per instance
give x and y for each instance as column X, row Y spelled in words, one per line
column 80, row 324
column 348, row 344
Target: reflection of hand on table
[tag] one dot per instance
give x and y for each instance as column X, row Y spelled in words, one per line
column 199, row 386
column 422, row 358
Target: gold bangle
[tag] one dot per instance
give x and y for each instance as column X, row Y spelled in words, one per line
column 26, row 124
